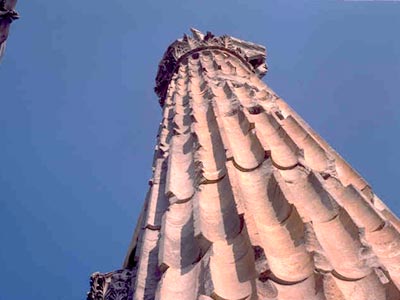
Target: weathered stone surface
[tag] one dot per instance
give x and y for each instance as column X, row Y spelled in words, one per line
column 115, row 285
column 246, row 201
column 250, row 54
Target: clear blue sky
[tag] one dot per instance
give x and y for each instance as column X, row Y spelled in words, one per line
column 78, row 115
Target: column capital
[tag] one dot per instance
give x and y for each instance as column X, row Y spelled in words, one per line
column 252, row 55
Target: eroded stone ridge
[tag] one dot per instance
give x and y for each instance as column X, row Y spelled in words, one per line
column 246, row 201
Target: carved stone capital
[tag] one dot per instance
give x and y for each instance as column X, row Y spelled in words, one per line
column 252, row 55
column 7, row 15
column 117, row 285
column 7, row 11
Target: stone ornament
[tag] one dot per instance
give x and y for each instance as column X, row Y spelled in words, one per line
column 115, row 285
column 7, row 16
column 252, row 55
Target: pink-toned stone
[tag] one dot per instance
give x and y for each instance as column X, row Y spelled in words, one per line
column 246, row 200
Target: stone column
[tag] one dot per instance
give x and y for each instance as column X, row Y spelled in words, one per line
column 246, row 201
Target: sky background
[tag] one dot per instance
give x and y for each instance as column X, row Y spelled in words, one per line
column 78, row 115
